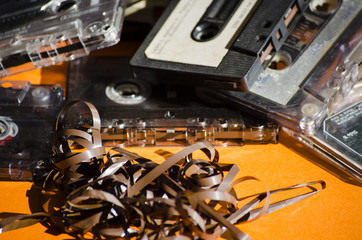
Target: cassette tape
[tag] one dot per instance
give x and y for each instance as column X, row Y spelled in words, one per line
column 136, row 113
column 40, row 33
column 226, row 44
column 318, row 96
column 27, row 123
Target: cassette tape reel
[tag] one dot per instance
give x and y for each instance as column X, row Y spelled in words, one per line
column 227, row 44
column 40, row 33
column 27, row 123
column 317, row 98
column 136, row 113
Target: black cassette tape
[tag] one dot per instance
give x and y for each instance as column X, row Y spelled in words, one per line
column 136, row 113
column 40, row 33
column 226, row 44
column 317, row 98
column 27, row 123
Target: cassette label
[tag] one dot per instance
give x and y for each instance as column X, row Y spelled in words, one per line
column 173, row 42
column 346, row 127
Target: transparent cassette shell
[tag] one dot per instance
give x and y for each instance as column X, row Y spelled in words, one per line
column 27, row 124
column 317, row 99
column 40, row 33
column 300, row 96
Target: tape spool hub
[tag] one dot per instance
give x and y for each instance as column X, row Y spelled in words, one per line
column 128, row 92
column 324, row 7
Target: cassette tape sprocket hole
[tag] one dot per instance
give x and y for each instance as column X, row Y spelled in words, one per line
column 129, row 92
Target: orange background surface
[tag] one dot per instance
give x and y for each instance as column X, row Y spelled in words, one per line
column 334, row 213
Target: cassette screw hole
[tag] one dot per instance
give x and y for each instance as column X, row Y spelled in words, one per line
column 95, row 27
column 309, row 109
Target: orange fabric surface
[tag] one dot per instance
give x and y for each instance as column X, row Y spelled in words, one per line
column 334, row 213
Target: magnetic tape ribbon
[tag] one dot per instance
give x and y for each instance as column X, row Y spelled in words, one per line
column 92, row 193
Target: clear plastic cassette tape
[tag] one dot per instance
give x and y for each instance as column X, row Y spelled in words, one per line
column 136, row 113
column 27, row 124
column 40, row 33
column 317, row 97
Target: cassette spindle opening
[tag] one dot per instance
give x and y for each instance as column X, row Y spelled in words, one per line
column 324, row 7
column 214, row 20
column 128, row 92
column 280, row 61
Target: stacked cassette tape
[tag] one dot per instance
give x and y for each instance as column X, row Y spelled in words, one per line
column 225, row 44
column 27, row 125
column 297, row 63
column 318, row 97
column 40, row 33
column 36, row 34
column 136, row 113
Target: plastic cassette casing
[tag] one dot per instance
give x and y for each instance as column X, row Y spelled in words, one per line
column 225, row 44
column 27, row 124
column 136, row 113
column 40, row 33
column 317, row 98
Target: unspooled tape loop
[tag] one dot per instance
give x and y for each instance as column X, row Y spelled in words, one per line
column 97, row 194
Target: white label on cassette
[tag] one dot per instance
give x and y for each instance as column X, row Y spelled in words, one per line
column 173, row 42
